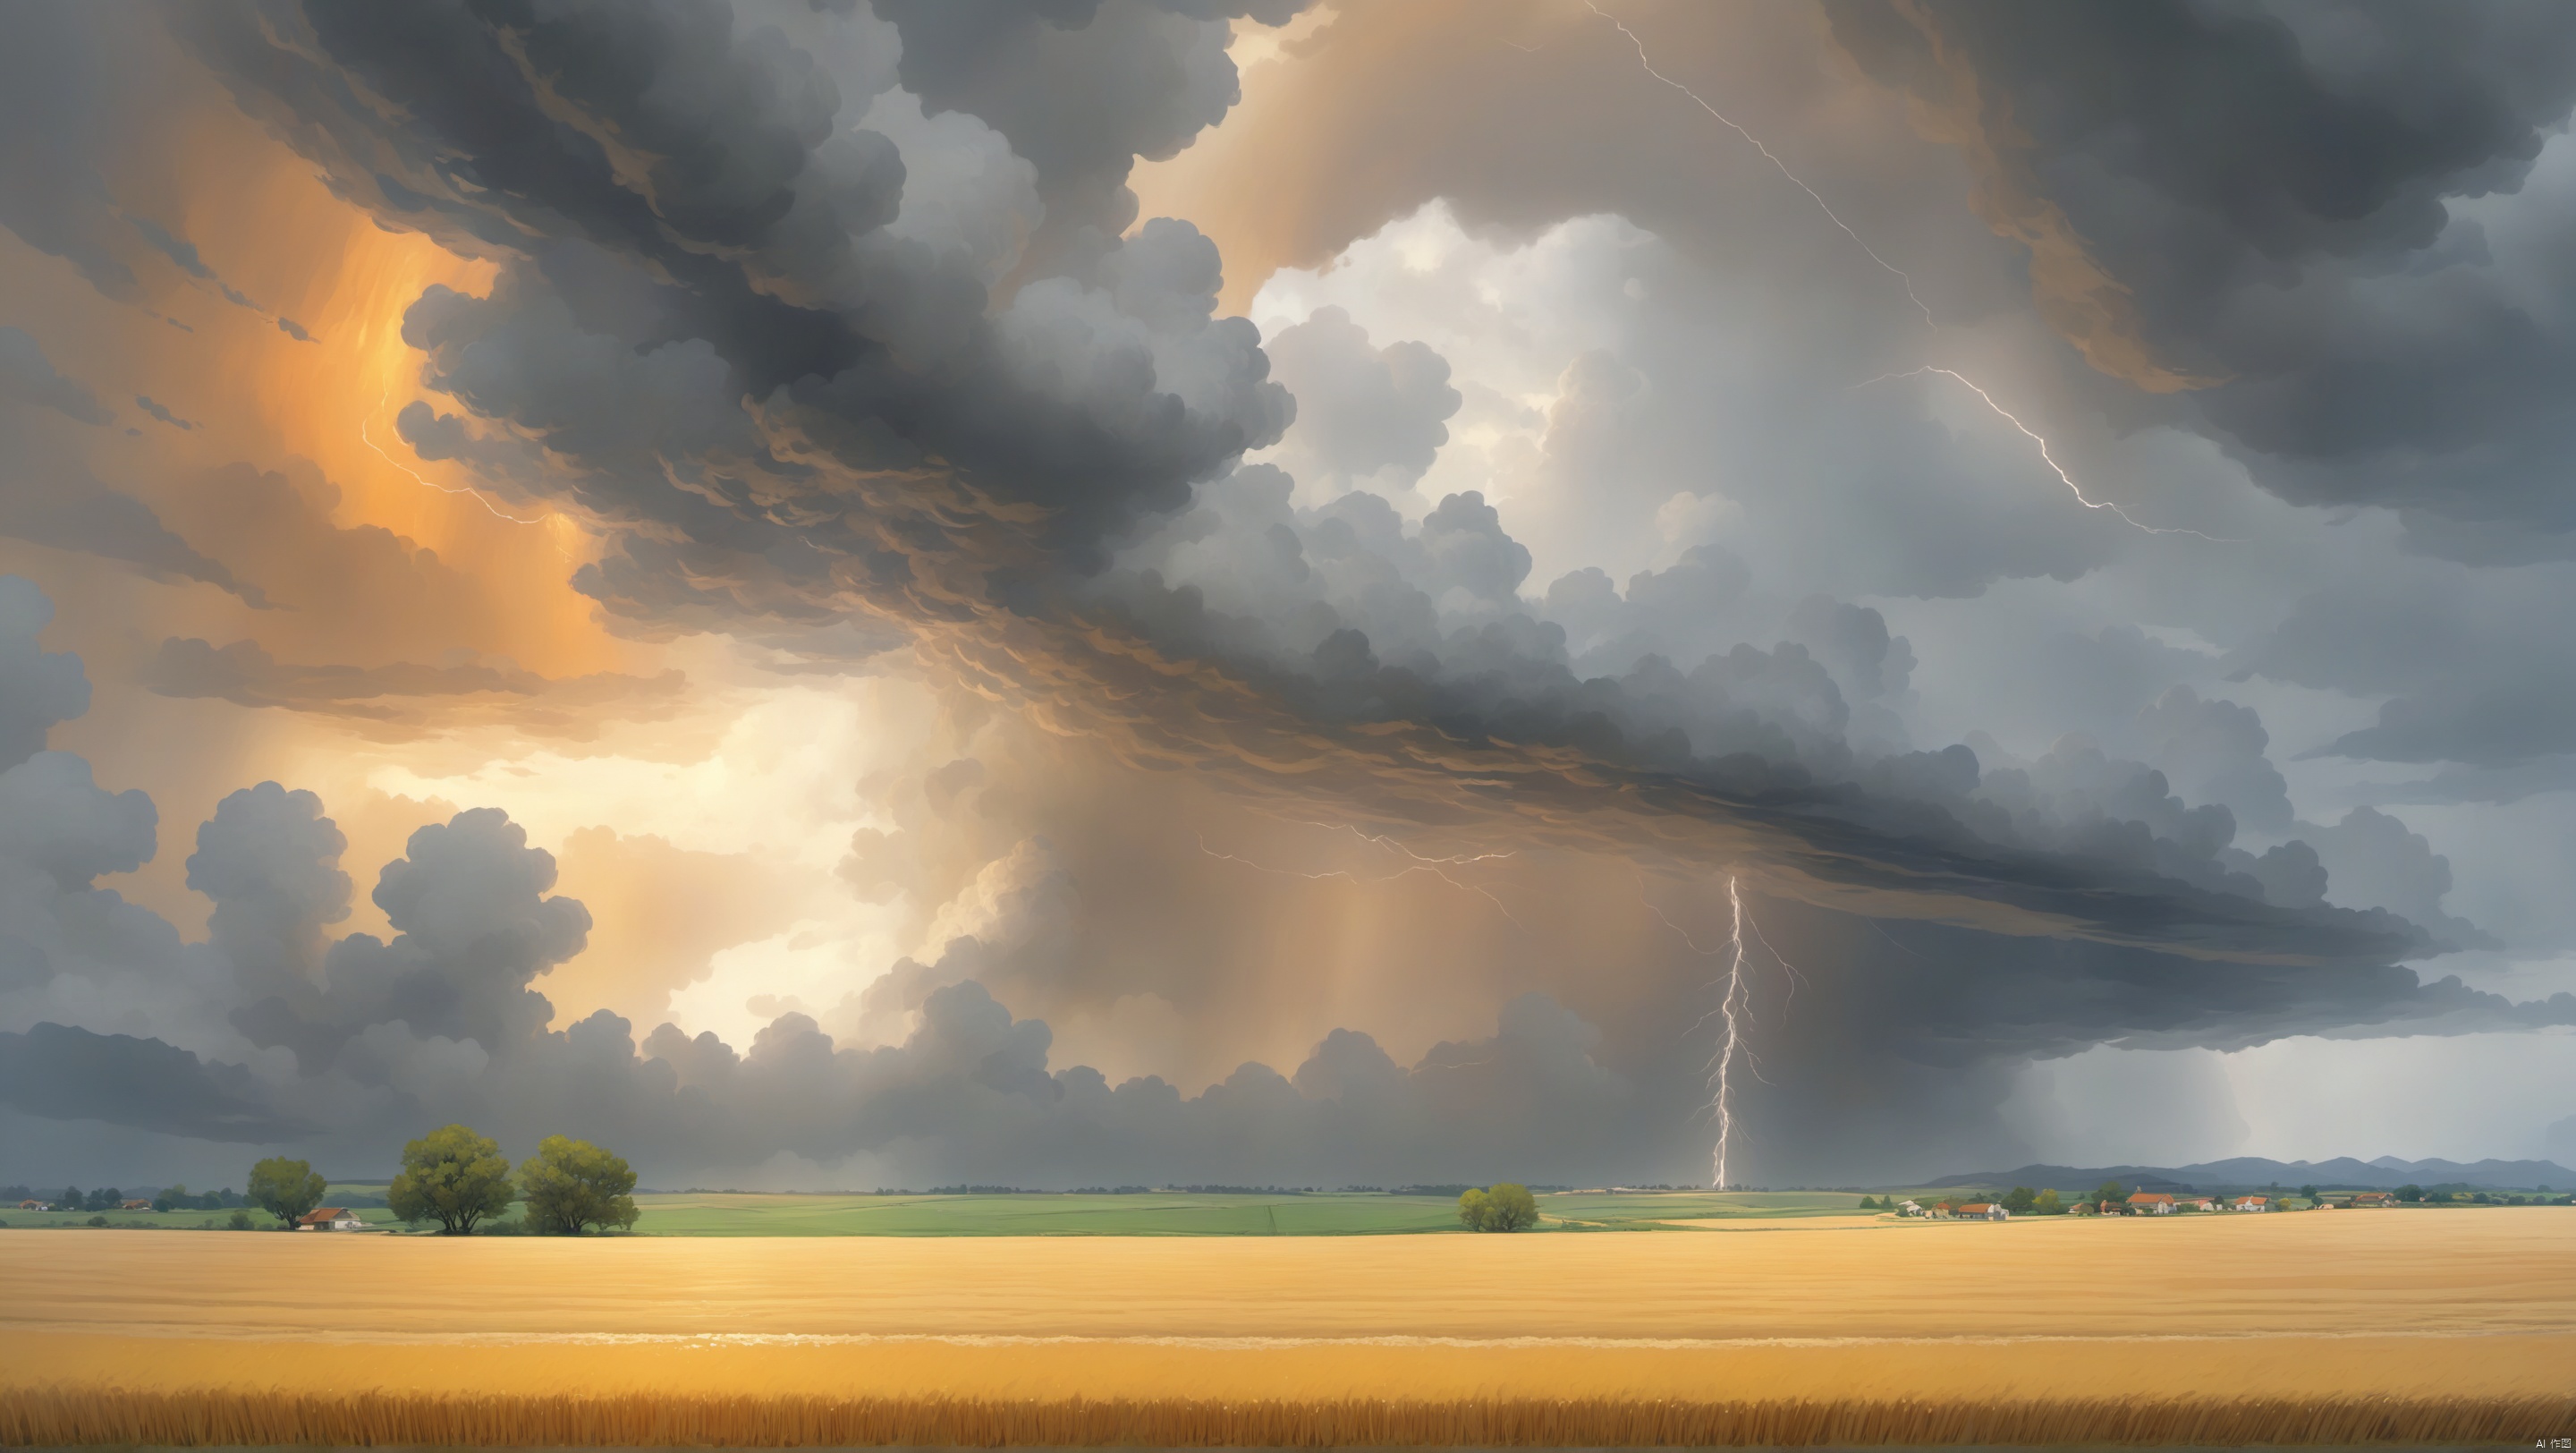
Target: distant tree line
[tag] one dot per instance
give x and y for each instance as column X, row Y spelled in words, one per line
column 109, row 1198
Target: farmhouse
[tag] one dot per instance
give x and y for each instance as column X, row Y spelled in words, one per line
column 134, row 1205
column 1909, row 1208
column 35, row 1205
column 330, row 1218
column 2361, row 1199
column 2196, row 1203
column 1983, row 1211
column 2254, row 1203
column 2151, row 1203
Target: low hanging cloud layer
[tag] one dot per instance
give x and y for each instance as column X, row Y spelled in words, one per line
column 837, row 329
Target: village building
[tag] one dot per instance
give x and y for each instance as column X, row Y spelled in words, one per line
column 1983, row 1211
column 2196, row 1203
column 2362, row 1199
column 134, row 1205
column 2254, row 1203
column 2150, row 1203
column 330, row 1218
column 1909, row 1208
column 35, row 1205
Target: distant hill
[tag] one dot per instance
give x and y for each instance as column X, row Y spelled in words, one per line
column 2252, row 1171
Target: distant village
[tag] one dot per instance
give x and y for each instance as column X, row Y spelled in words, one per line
column 2113, row 1200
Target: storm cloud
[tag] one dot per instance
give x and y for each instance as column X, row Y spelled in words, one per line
column 1345, row 727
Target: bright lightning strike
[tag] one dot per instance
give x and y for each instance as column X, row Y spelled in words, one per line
column 2045, row 457
column 1734, row 1006
column 1648, row 66
column 417, row 478
column 1724, row 1097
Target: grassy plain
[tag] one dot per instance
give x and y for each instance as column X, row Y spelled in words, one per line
column 2325, row 1326
column 1154, row 1213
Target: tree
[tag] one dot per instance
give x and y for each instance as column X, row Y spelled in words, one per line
column 2410, row 1194
column 1475, row 1210
column 572, row 1185
column 174, row 1198
column 2021, row 1200
column 2308, row 1193
column 1500, row 1207
column 286, row 1188
column 2047, row 1204
column 454, row 1177
column 237, row 1221
column 1869, row 1203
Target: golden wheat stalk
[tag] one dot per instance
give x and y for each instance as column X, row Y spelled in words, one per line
column 59, row 1416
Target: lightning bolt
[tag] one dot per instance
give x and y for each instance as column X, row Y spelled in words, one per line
column 1768, row 155
column 2047, row 458
column 1648, row 66
column 1735, row 1006
column 368, row 439
column 1722, row 1083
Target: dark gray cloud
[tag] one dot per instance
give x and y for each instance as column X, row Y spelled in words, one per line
column 2473, row 663
column 53, row 108
column 27, row 376
column 406, row 697
column 49, row 497
column 1361, row 409
column 2217, row 751
column 2336, row 215
column 37, row 687
column 61, row 1073
column 1081, row 88
column 162, row 412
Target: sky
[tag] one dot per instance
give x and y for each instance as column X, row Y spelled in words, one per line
column 1074, row 592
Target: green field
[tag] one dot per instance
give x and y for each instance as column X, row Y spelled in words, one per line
column 1638, row 1209
column 1152, row 1213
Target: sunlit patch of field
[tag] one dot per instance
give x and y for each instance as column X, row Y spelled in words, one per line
column 2318, row 1327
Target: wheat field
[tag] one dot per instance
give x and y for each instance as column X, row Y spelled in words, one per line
column 2321, row 1327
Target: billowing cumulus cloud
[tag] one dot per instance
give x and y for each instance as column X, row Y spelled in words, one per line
column 1344, row 728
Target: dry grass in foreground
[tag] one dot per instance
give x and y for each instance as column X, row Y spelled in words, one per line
column 2321, row 1328
column 375, row 1419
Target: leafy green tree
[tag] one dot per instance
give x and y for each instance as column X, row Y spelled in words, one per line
column 1869, row 1203
column 1515, row 1209
column 2021, row 1200
column 286, row 1188
column 1476, row 1210
column 2110, row 1191
column 572, row 1185
column 2308, row 1192
column 2046, row 1203
column 1500, row 1207
column 237, row 1221
column 2410, row 1194
column 454, row 1177
column 174, row 1198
